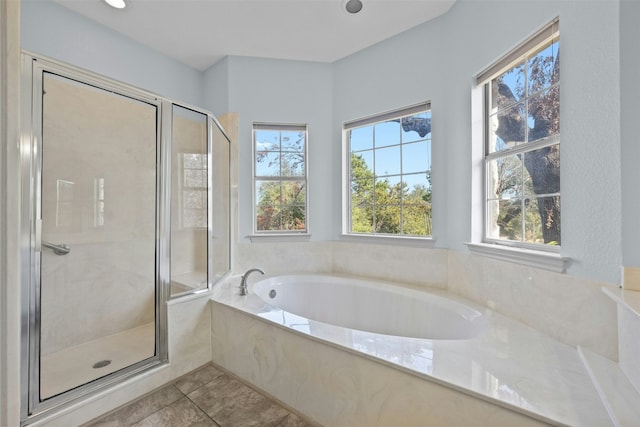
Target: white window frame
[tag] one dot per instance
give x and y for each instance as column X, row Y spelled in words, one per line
column 347, row 232
column 280, row 234
column 531, row 254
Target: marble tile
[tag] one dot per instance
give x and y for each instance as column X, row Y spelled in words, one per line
column 509, row 365
column 182, row 413
column 139, row 409
column 230, row 403
column 197, row 378
column 400, row 263
column 292, row 420
column 631, row 278
column 284, row 257
column 570, row 309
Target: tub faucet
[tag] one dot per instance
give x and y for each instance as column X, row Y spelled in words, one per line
column 243, row 281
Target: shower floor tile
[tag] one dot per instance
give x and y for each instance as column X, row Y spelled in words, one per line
column 71, row 367
column 204, row 397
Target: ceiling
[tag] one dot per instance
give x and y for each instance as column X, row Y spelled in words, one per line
column 199, row 33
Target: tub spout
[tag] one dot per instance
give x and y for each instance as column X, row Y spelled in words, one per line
column 243, row 281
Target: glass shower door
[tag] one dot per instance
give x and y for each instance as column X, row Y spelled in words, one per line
column 97, row 233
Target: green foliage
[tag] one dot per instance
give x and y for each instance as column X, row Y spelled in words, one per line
column 378, row 206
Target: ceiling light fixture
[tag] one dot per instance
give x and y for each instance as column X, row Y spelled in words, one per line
column 353, row 6
column 118, row 4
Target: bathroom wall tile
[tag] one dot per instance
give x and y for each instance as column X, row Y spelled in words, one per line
column 285, row 257
column 404, row 264
column 181, row 413
column 571, row 309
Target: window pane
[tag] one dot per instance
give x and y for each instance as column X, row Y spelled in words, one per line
column 417, row 188
column 544, row 114
column 293, row 141
column 533, row 226
column 416, row 127
column 388, row 190
column 507, row 88
column 361, row 138
column 387, row 219
column 544, row 67
column 194, row 199
column 362, row 165
column 294, row 192
column 268, row 217
column 267, row 164
column 268, row 193
column 387, row 161
column 267, row 140
column 362, row 219
column 507, row 128
column 505, row 219
column 194, row 161
column 504, row 176
column 387, row 133
column 542, row 171
column 416, row 157
column 416, row 219
column 361, row 192
column 293, row 217
column 292, row 164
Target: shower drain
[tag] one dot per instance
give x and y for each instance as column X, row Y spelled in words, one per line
column 101, row 364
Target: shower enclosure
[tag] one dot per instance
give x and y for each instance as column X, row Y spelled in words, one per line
column 117, row 218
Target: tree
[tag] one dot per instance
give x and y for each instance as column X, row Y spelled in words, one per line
column 543, row 165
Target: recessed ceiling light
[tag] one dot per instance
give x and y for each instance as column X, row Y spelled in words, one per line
column 118, row 4
column 353, row 6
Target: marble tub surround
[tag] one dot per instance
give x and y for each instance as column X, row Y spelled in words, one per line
column 628, row 306
column 281, row 257
column 206, row 396
column 570, row 309
column 631, row 278
column 405, row 264
column 511, row 374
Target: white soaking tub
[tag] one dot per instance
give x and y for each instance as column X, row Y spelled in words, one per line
column 350, row 351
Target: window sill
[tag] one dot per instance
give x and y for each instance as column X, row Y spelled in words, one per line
column 425, row 242
column 531, row 258
column 293, row 237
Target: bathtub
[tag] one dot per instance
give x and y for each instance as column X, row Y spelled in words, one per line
column 349, row 351
column 371, row 306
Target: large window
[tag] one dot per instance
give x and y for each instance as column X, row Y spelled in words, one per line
column 522, row 144
column 280, row 178
column 389, row 173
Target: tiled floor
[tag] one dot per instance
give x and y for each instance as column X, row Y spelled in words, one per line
column 204, row 397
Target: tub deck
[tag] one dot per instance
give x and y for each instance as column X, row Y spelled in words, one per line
column 509, row 364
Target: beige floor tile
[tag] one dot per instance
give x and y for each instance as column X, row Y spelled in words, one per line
column 197, row 378
column 182, row 413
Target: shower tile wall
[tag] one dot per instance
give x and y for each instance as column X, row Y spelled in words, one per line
column 99, row 198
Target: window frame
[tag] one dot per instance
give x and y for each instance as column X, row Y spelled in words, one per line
column 280, row 127
column 347, row 216
column 523, row 51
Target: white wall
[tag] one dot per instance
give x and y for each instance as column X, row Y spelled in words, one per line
column 52, row 30
column 438, row 60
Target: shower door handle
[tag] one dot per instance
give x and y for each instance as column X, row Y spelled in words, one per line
column 57, row 249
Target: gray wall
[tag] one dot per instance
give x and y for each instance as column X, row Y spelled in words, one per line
column 438, row 60
column 56, row 32
column 629, row 113
column 435, row 61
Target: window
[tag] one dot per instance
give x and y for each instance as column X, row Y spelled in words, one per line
column 280, row 178
column 522, row 144
column 389, row 173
